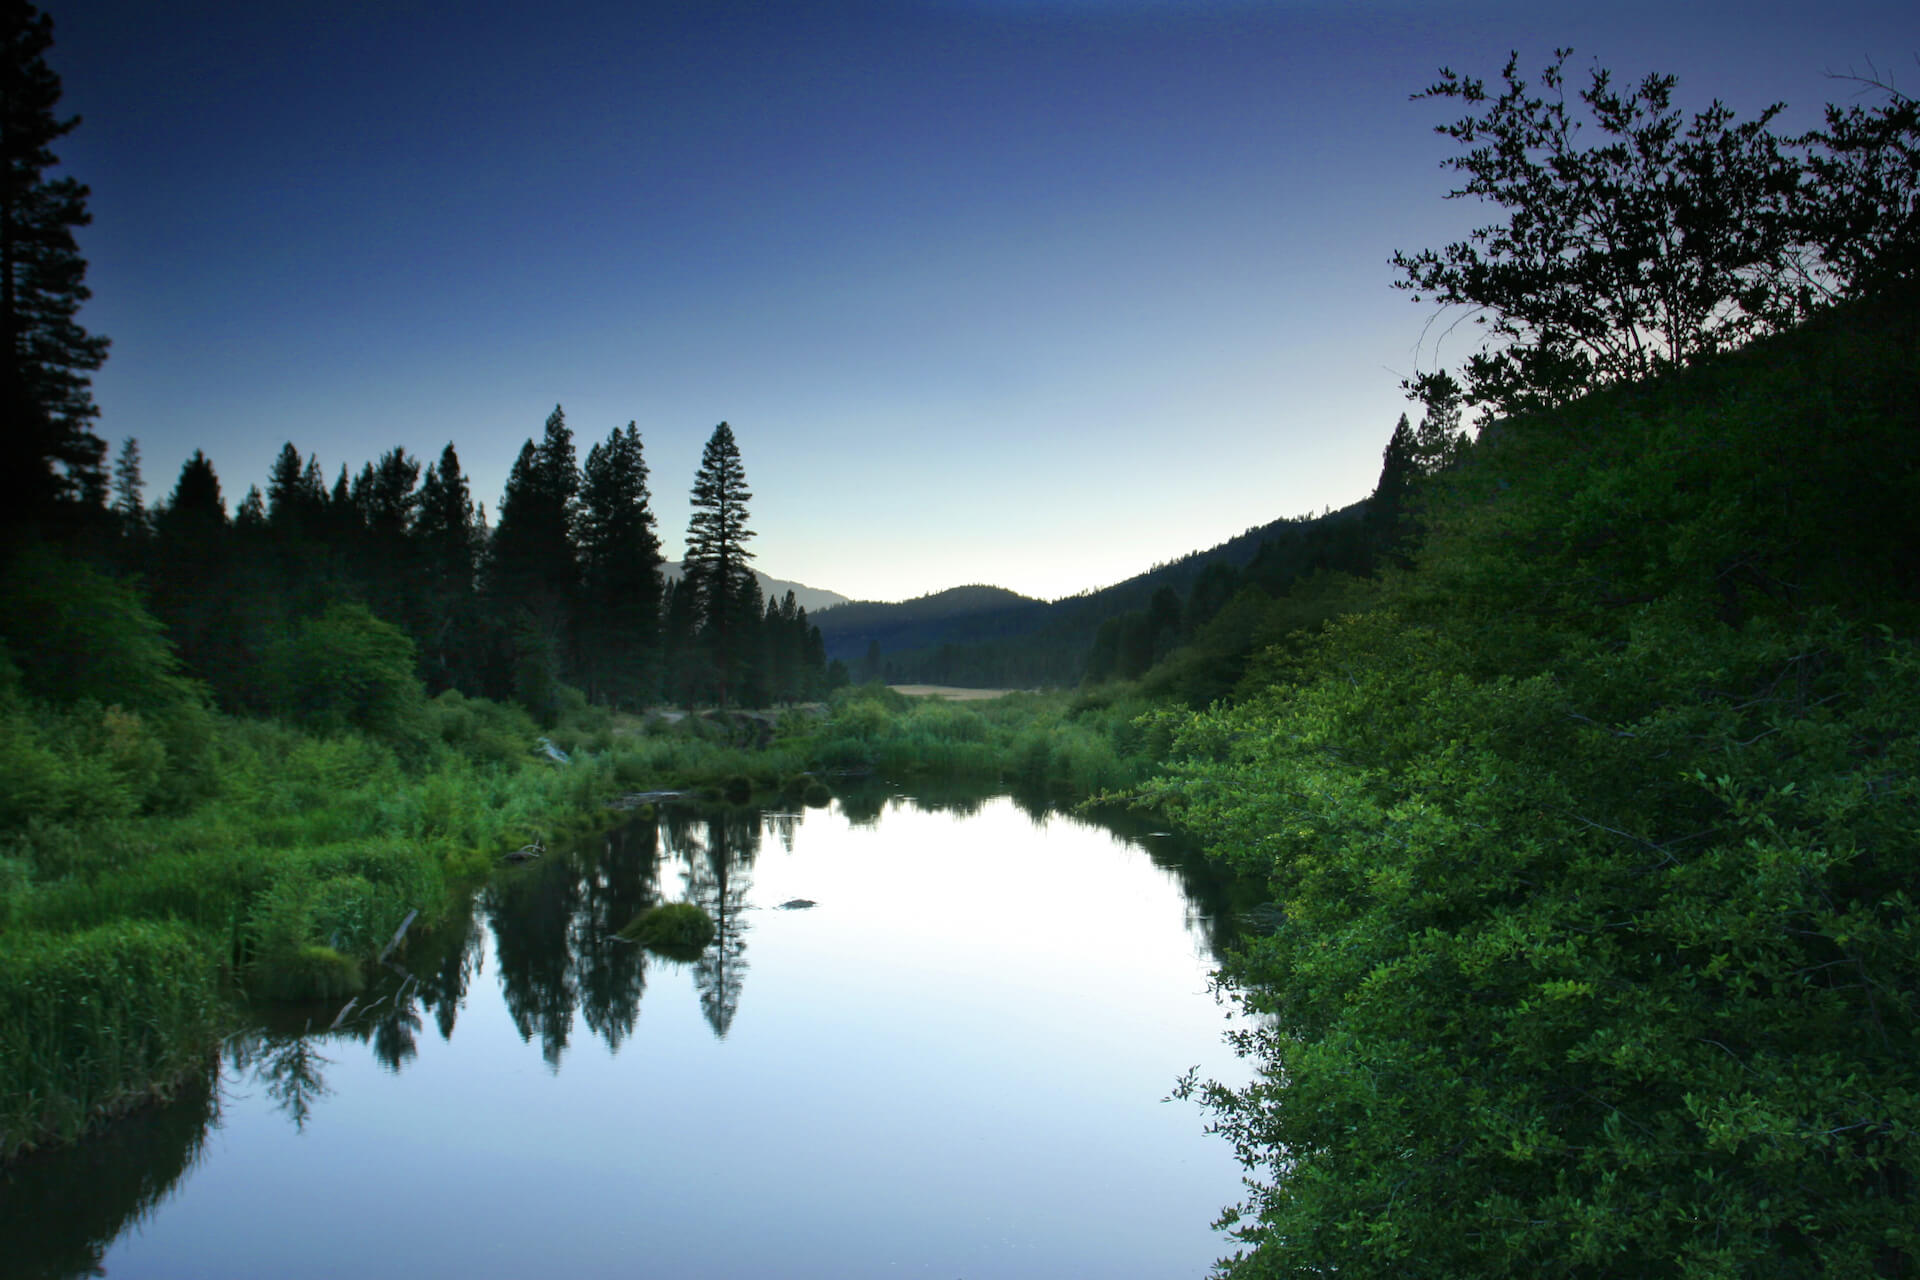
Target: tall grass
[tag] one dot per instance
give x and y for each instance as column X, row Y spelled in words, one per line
column 95, row 1021
column 133, row 923
column 1059, row 744
column 130, row 929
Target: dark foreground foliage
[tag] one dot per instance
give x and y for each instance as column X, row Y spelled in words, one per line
column 1593, row 847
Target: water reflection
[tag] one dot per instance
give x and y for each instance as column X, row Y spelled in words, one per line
column 288, row 1067
column 60, row 1210
column 718, row 849
column 560, row 965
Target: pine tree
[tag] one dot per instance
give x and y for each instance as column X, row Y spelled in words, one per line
column 446, row 538
column 533, row 571
column 716, row 568
column 48, row 451
column 619, row 624
column 296, row 495
column 129, row 501
column 192, row 564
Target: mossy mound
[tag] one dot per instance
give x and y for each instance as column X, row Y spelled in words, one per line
column 738, row 789
column 308, row 973
column 677, row 930
column 816, row 795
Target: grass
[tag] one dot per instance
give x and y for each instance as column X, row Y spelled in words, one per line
column 135, row 928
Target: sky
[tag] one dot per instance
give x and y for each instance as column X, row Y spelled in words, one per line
column 1036, row 293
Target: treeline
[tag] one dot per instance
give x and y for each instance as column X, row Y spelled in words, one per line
column 564, row 593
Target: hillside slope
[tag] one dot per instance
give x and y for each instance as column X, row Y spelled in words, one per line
column 812, row 599
column 988, row 636
column 1592, row 847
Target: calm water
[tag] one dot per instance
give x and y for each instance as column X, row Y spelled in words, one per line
column 952, row 1066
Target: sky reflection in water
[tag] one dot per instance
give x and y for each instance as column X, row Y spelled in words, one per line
column 952, row 1066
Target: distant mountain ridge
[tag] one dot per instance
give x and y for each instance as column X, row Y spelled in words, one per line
column 1058, row 631
column 812, row 599
column 956, row 615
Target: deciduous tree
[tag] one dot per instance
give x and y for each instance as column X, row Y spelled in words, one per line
column 1666, row 240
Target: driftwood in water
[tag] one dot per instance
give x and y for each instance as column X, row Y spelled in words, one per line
column 398, row 934
column 526, row 853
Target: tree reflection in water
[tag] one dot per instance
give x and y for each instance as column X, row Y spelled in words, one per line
column 718, row 850
column 532, row 911
column 611, row 972
column 288, row 1067
column 61, row 1209
column 454, row 955
column 554, row 926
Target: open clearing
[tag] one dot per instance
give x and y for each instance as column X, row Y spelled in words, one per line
column 951, row 693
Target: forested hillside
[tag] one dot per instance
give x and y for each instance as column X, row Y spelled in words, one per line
column 1591, row 835
column 992, row 638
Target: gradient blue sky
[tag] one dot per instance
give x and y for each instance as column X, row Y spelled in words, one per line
column 1029, row 292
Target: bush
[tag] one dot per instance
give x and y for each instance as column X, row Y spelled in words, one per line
column 307, row 973
column 73, row 634
column 348, row 669
column 483, row 731
column 677, row 930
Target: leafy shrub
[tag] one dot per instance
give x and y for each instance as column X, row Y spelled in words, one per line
column 308, row 972
column 482, row 730
column 73, row 634
column 348, row 669
column 677, row 930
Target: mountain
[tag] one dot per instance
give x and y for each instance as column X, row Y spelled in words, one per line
column 958, row 614
column 992, row 637
column 812, row 599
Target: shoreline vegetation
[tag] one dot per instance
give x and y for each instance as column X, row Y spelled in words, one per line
column 1580, row 763
column 132, row 940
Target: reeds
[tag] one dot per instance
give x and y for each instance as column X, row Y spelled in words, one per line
column 97, row 1021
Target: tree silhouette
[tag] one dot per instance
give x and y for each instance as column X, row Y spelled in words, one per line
column 446, row 541
column 533, row 571
column 49, row 454
column 618, row 636
column 1665, row 241
column 726, row 594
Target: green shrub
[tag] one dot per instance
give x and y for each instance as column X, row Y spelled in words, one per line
column 677, row 930
column 73, row 634
column 310, row 972
column 348, row 669
column 484, row 731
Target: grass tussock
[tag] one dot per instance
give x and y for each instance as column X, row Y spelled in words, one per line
column 677, row 930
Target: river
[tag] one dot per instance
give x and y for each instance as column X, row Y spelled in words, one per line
column 954, row 1064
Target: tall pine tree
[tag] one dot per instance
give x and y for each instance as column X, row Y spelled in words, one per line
column 533, row 571
column 49, row 454
column 726, row 595
column 618, row 627
column 446, row 539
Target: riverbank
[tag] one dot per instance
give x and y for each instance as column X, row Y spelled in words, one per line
column 305, row 854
